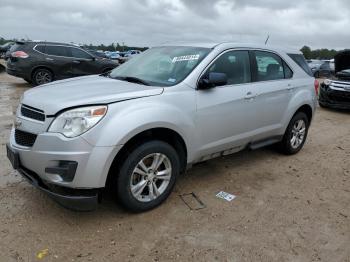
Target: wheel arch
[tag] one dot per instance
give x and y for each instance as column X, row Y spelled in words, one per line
column 41, row 67
column 307, row 109
column 167, row 135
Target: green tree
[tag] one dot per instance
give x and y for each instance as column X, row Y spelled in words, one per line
column 306, row 52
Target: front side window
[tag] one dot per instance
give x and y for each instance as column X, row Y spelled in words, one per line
column 56, row 50
column 162, row 66
column 236, row 66
column 269, row 66
column 77, row 53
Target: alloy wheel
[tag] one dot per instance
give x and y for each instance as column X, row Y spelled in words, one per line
column 151, row 177
column 298, row 133
column 43, row 77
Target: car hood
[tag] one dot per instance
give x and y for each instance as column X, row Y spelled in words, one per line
column 87, row 90
column 342, row 61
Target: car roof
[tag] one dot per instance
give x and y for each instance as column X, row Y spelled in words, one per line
column 35, row 42
column 226, row 45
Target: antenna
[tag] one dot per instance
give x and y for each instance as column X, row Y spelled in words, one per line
column 267, row 39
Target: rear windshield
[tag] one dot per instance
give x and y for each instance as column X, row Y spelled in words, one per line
column 300, row 60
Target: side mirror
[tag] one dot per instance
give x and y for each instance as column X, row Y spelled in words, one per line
column 211, row 80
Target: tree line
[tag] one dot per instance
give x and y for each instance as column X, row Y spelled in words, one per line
column 110, row 47
column 322, row 53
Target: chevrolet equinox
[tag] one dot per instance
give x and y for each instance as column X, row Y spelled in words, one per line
column 136, row 128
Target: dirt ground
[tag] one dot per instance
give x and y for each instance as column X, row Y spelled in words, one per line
column 294, row 208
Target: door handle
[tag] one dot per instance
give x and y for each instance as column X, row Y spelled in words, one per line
column 250, row 95
column 290, row 87
column 76, row 61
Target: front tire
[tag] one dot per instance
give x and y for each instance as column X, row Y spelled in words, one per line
column 295, row 135
column 147, row 176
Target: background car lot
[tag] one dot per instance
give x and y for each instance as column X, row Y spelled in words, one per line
column 287, row 208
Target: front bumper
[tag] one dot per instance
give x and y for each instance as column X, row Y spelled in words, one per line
column 334, row 98
column 76, row 202
column 39, row 162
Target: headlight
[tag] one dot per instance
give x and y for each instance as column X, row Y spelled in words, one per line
column 77, row 121
column 327, row 82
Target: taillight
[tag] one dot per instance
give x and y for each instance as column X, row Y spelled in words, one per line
column 19, row 54
column 316, row 84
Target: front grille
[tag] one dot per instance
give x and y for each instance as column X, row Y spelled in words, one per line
column 340, row 85
column 24, row 138
column 32, row 113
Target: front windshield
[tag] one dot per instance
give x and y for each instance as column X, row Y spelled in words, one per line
column 161, row 66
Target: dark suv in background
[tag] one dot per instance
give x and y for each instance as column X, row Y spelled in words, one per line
column 43, row 62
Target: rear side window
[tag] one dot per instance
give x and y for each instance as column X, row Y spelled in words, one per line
column 56, row 50
column 77, row 53
column 40, row 48
column 236, row 66
column 300, row 60
column 269, row 66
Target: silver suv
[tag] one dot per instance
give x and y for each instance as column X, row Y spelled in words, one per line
column 135, row 129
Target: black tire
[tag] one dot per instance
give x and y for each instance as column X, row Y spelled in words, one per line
column 285, row 145
column 322, row 105
column 123, row 182
column 28, row 80
column 106, row 70
column 42, row 76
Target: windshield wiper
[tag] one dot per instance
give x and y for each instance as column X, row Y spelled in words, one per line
column 132, row 79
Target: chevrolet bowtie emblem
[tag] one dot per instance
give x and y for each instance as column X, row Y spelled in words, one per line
column 17, row 123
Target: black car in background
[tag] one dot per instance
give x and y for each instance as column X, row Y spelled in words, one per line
column 326, row 69
column 43, row 62
column 4, row 48
column 98, row 54
column 335, row 92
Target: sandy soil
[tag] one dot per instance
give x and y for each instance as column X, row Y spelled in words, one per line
column 294, row 208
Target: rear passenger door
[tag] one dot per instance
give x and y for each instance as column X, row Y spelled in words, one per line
column 58, row 60
column 273, row 77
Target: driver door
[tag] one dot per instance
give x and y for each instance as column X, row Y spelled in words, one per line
column 228, row 116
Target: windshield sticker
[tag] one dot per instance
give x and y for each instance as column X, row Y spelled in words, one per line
column 172, row 80
column 185, row 58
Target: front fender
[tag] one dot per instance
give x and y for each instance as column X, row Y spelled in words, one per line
column 126, row 119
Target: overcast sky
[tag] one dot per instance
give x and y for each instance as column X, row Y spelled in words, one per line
column 293, row 23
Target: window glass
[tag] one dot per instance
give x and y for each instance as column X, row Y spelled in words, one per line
column 56, row 50
column 269, row 66
column 163, row 66
column 300, row 60
column 40, row 48
column 236, row 66
column 77, row 53
column 288, row 73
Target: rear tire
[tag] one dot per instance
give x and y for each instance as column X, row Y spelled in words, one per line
column 295, row 135
column 147, row 176
column 42, row 76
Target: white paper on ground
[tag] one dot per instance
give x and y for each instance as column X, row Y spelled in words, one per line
column 226, row 196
